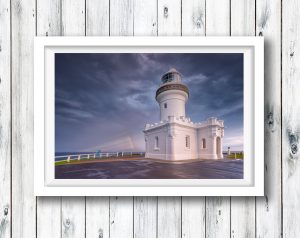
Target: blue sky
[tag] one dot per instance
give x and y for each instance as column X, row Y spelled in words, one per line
column 103, row 101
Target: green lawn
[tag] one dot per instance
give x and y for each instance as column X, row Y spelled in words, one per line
column 238, row 156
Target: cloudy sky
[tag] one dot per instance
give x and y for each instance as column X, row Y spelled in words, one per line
column 103, row 101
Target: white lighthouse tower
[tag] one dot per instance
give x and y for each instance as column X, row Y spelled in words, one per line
column 176, row 137
column 172, row 95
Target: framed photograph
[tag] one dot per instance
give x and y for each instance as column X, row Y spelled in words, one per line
column 149, row 116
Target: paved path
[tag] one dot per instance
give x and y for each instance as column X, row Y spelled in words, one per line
column 152, row 169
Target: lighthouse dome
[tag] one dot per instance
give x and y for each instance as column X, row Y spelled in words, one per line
column 171, row 76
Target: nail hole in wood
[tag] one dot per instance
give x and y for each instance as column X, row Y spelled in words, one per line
column 166, row 12
column 270, row 120
column 5, row 210
column 100, row 233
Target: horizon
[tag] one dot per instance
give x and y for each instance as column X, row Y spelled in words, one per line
column 103, row 101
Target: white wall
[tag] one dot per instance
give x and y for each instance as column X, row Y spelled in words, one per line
column 175, row 100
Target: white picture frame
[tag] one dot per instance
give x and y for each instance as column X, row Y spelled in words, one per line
column 46, row 185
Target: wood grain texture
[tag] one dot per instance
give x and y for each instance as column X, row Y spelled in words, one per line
column 5, row 120
column 193, row 217
column 145, row 17
column 268, row 208
column 148, row 216
column 121, row 217
column 23, row 201
column 48, row 20
column 169, row 217
column 218, row 208
column 145, row 217
column 48, row 223
column 217, row 217
column 48, row 23
column 193, row 17
column 97, row 217
column 242, row 208
column 73, row 217
column 73, row 17
column 121, row 17
column 217, row 17
column 290, row 117
column 169, row 17
column 97, row 18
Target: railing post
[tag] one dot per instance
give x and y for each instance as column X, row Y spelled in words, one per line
column 88, row 156
column 69, row 159
column 78, row 157
column 94, row 156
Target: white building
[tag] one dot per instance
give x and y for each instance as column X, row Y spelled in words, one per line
column 176, row 137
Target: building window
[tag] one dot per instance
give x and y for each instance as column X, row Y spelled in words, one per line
column 187, row 141
column 165, row 105
column 156, row 142
column 203, row 143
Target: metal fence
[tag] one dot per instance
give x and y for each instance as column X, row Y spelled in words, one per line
column 68, row 158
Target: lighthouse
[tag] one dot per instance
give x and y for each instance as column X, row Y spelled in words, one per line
column 175, row 136
column 172, row 95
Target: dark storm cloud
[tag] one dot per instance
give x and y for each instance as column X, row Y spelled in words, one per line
column 104, row 100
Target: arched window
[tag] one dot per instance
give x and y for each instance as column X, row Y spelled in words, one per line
column 203, row 143
column 187, row 141
column 156, row 142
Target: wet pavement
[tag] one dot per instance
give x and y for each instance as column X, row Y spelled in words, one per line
column 152, row 169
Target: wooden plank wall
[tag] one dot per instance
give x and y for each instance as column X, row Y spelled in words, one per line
column 274, row 215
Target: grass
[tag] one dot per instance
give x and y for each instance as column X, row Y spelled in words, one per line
column 238, row 156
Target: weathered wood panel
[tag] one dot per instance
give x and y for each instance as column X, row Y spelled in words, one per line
column 121, row 217
column 218, row 208
column 193, row 17
column 193, row 217
column 145, row 17
column 290, row 118
column 121, row 17
column 169, row 217
column 73, row 217
column 48, row 223
column 193, row 208
column 97, row 208
column 73, row 209
column 242, row 208
column 73, row 17
column 145, row 208
column 169, row 17
column 48, row 23
column 97, row 217
column 5, row 120
column 121, row 208
column 97, row 18
column 169, row 208
column 268, row 208
column 23, row 202
column 145, row 217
